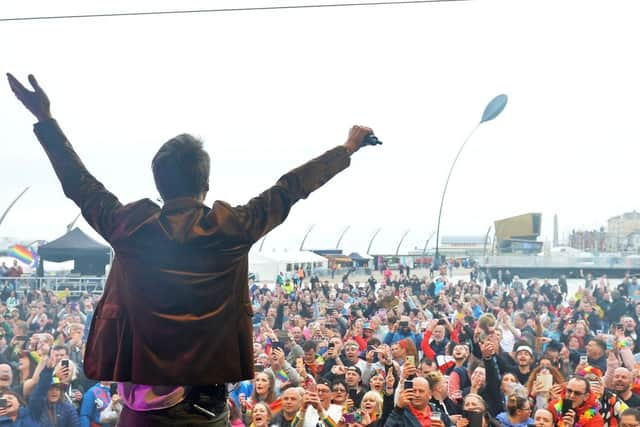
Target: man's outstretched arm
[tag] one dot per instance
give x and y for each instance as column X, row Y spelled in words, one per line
column 97, row 204
column 269, row 209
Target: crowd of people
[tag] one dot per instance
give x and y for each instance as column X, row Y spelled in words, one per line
column 392, row 350
column 431, row 351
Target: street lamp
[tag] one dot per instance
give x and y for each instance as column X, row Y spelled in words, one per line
column 424, row 251
column 305, row 235
column 342, row 235
column 401, row 239
column 12, row 203
column 371, row 241
column 491, row 111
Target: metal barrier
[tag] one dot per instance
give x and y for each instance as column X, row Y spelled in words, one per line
column 76, row 285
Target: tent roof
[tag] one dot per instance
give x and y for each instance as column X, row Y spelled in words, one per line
column 289, row 256
column 72, row 245
column 357, row 257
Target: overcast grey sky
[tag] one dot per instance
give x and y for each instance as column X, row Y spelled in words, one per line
column 269, row 90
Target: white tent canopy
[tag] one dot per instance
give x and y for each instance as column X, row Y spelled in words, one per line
column 267, row 265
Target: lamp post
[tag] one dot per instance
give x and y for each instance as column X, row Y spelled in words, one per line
column 401, row 239
column 342, row 235
column 491, row 111
column 306, row 234
column 371, row 241
column 72, row 223
column 262, row 243
column 486, row 241
column 424, row 251
column 12, row 203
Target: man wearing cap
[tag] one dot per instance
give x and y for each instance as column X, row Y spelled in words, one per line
column 355, row 389
column 524, row 359
column 47, row 403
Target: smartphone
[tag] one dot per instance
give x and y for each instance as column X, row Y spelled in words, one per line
column 410, row 359
column 353, row 394
column 584, row 360
column 3, row 403
column 64, row 363
column 474, row 417
column 404, row 324
column 332, row 345
column 277, row 344
column 567, row 404
column 610, row 340
column 546, row 380
column 351, row 417
column 258, row 368
column 408, row 384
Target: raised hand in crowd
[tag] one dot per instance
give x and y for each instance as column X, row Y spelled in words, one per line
column 405, row 397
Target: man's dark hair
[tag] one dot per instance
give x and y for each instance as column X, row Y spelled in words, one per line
column 181, row 167
column 61, row 347
column 635, row 412
column 601, row 343
column 554, row 346
column 339, row 380
column 309, row 345
column 20, row 399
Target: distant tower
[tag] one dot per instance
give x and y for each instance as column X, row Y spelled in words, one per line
column 555, row 230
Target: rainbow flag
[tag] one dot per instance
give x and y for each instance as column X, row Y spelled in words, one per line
column 23, row 254
column 276, row 406
column 282, row 375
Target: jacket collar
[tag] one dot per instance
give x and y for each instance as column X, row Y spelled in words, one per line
column 181, row 203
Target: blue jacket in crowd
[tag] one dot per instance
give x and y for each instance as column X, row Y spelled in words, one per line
column 95, row 400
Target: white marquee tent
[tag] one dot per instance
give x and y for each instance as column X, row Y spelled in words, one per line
column 267, row 265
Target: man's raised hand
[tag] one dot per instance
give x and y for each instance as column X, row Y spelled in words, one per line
column 357, row 134
column 36, row 101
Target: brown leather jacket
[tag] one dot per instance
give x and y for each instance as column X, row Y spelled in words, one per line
column 176, row 308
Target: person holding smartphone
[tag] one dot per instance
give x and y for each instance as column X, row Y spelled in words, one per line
column 412, row 407
column 577, row 404
column 611, row 405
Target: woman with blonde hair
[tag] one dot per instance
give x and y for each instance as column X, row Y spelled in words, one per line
column 261, row 415
column 474, row 404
